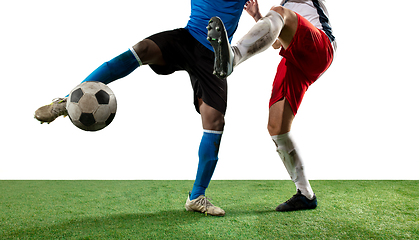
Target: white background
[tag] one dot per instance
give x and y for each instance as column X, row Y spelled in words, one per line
column 358, row 121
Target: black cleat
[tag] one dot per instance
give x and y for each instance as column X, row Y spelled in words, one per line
column 297, row 202
column 217, row 35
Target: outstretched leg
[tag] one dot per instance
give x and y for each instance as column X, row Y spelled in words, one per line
column 280, row 24
column 116, row 68
column 258, row 39
column 224, row 56
column 144, row 52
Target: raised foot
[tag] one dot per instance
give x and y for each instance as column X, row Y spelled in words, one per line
column 48, row 113
column 217, row 35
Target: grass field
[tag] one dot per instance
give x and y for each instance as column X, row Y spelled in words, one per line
column 155, row 210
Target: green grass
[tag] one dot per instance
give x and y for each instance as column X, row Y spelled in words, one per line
column 155, row 210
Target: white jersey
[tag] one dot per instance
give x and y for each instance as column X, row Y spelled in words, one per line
column 315, row 12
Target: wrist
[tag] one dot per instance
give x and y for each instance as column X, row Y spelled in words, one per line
column 257, row 16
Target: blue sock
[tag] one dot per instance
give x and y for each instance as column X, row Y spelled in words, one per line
column 114, row 69
column 208, row 157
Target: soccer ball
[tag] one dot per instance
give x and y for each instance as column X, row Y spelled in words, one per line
column 91, row 106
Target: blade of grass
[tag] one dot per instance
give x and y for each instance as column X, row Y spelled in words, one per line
column 155, row 209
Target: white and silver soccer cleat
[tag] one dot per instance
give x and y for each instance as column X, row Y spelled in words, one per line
column 50, row 112
column 203, row 205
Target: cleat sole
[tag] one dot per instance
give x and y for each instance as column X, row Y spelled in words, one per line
column 217, row 36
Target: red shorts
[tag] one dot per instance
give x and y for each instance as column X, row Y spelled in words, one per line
column 304, row 61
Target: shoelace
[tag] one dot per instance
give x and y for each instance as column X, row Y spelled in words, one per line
column 58, row 100
column 58, row 110
column 206, row 202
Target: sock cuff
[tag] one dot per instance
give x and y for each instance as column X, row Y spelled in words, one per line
column 281, row 137
column 283, row 142
column 213, row 132
column 136, row 56
column 276, row 14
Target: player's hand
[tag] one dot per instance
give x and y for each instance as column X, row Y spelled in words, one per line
column 252, row 8
column 277, row 44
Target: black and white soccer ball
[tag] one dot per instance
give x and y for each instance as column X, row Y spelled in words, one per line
column 91, row 106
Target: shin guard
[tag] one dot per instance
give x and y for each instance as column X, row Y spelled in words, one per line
column 116, row 68
column 260, row 37
column 293, row 163
column 208, row 158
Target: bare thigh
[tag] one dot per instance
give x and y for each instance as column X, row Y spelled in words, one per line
column 212, row 119
column 280, row 118
column 149, row 52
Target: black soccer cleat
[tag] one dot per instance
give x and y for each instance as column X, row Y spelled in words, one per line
column 297, row 202
column 217, row 35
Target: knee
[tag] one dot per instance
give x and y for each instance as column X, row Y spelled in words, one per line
column 213, row 122
column 218, row 123
column 212, row 119
column 288, row 15
column 149, row 52
column 280, row 10
column 278, row 128
column 142, row 48
column 273, row 128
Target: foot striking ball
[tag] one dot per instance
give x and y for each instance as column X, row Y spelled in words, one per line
column 91, row 106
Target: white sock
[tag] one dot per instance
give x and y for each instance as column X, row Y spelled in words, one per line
column 293, row 163
column 260, row 37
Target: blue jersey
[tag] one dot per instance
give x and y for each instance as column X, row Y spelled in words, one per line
column 229, row 11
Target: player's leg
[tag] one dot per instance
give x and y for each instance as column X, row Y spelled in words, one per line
column 300, row 67
column 213, row 124
column 290, row 25
column 116, row 68
column 258, row 39
column 212, row 119
column 279, row 126
column 144, row 52
column 280, row 118
column 149, row 53
column 280, row 23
